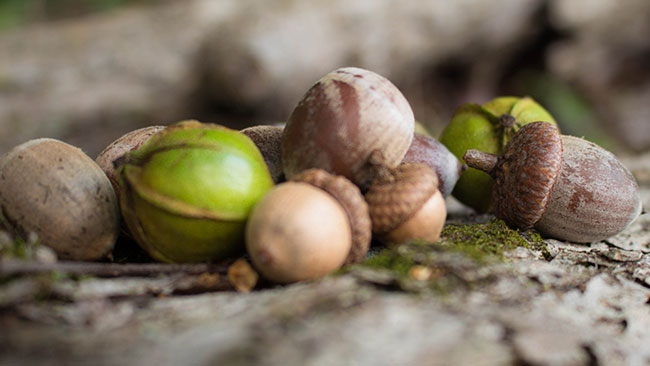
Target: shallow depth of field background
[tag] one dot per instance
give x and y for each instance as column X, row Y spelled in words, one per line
column 88, row 71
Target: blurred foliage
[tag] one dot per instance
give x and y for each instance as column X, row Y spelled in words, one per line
column 14, row 13
column 574, row 114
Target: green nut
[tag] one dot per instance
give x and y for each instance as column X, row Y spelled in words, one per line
column 488, row 128
column 187, row 192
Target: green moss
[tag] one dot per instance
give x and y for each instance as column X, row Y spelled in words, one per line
column 460, row 250
column 488, row 240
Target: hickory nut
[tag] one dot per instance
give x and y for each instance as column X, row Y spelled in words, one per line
column 565, row 187
column 56, row 191
column 341, row 119
column 187, row 192
column 308, row 227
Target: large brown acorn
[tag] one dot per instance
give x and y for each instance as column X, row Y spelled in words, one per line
column 341, row 120
column 565, row 187
column 405, row 203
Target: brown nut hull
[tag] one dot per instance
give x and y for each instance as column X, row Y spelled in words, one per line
column 594, row 197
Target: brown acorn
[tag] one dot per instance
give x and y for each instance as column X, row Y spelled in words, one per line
column 427, row 150
column 563, row 186
column 267, row 139
column 308, row 227
column 341, row 120
column 119, row 148
column 405, row 204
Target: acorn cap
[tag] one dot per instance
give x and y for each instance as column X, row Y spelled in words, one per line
column 525, row 174
column 351, row 199
column 397, row 194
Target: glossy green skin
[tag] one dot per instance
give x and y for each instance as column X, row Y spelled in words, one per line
column 189, row 190
column 476, row 126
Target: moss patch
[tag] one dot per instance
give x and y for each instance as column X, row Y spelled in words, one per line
column 488, row 241
column 455, row 260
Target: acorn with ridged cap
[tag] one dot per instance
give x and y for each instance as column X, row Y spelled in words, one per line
column 405, row 203
column 341, row 120
column 563, row 186
column 267, row 139
column 308, row 227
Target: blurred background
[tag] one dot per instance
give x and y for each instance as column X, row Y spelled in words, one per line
column 87, row 71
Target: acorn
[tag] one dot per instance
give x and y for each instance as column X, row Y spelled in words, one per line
column 55, row 190
column 117, row 149
column 427, row 150
column 187, row 192
column 565, row 187
column 267, row 138
column 488, row 128
column 405, row 203
column 346, row 115
column 305, row 228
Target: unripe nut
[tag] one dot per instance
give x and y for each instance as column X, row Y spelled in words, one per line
column 341, row 119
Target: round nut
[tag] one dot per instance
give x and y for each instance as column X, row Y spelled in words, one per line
column 297, row 232
column 56, row 191
column 356, row 208
column 341, row 120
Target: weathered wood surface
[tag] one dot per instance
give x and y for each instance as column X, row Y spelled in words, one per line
column 579, row 305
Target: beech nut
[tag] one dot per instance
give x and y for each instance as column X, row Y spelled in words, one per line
column 55, row 190
column 308, row 227
column 563, row 186
column 405, row 204
column 341, row 119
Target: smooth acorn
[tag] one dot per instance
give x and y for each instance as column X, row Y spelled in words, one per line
column 427, row 150
column 187, row 192
column 308, row 227
column 55, row 190
column 488, row 128
column 341, row 120
column 405, row 203
column 563, row 186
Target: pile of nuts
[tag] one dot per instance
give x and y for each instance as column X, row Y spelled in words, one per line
column 305, row 199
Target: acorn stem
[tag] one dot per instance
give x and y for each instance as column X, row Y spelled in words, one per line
column 481, row 160
column 507, row 120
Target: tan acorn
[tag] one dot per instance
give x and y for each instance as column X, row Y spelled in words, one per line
column 308, row 227
column 405, row 204
column 563, row 186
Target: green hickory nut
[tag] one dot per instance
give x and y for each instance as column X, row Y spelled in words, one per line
column 187, row 192
column 488, row 128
